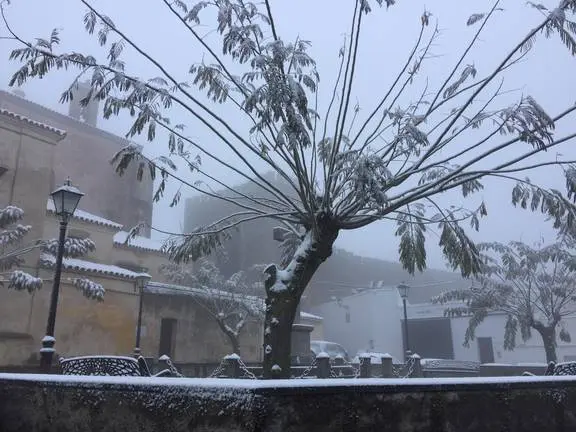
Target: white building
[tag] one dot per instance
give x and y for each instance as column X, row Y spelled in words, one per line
column 372, row 320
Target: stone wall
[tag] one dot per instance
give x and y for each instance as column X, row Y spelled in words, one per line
column 53, row 403
column 197, row 336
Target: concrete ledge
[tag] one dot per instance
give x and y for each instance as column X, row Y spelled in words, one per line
column 49, row 403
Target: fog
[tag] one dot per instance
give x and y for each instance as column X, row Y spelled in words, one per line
column 388, row 36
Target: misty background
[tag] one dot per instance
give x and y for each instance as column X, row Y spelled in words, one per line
column 386, row 40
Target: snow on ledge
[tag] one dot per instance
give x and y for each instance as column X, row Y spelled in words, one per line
column 86, row 217
column 92, row 267
column 18, row 117
column 137, row 242
column 222, row 383
column 306, row 315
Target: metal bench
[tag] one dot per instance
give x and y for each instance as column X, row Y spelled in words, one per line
column 555, row 369
column 110, row 366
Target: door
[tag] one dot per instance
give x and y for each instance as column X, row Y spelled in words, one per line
column 485, row 350
column 167, row 337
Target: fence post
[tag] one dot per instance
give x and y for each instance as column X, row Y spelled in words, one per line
column 416, row 366
column 322, row 365
column 365, row 366
column 338, row 360
column 232, row 366
column 386, row 371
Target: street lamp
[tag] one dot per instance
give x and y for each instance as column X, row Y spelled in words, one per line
column 141, row 282
column 403, row 290
column 66, row 199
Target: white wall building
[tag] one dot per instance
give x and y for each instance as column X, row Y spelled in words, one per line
column 366, row 321
column 373, row 321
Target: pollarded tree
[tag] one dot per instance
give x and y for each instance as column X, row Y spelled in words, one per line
column 12, row 251
column 346, row 168
column 534, row 287
column 229, row 301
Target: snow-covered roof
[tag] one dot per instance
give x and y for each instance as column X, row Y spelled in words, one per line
column 92, row 267
column 256, row 304
column 137, row 242
column 29, row 121
column 86, row 217
column 310, row 316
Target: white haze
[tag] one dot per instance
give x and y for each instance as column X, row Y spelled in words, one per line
column 386, row 41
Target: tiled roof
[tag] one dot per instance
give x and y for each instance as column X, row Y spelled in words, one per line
column 91, row 267
column 12, row 115
column 86, row 217
column 256, row 304
column 137, row 242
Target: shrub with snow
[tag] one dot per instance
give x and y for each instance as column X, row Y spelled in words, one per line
column 12, row 250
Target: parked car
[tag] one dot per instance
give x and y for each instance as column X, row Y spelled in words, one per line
column 375, row 357
column 331, row 348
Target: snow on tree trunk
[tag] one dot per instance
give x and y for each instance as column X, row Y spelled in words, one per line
column 284, row 288
column 233, row 336
column 548, row 335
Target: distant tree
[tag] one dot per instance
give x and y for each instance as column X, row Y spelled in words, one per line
column 534, row 287
column 345, row 169
column 231, row 302
column 12, row 253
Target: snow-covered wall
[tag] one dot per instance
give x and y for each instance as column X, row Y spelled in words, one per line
column 52, row 403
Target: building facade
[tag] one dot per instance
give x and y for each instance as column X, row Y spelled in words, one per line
column 373, row 321
column 28, row 149
column 83, row 148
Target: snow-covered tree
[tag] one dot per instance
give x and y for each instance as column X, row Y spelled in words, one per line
column 347, row 166
column 13, row 251
column 534, row 287
column 231, row 302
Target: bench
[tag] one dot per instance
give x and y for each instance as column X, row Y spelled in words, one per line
column 557, row 369
column 110, row 366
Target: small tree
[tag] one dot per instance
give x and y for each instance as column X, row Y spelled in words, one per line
column 229, row 301
column 346, row 167
column 534, row 287
column 12, row 251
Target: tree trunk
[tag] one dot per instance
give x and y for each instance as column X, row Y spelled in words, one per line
column 284, row 288
column 548, row 334
column 232, row 337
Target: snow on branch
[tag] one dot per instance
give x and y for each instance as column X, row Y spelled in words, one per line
column 73, row 247
column 12, row 253
column 89, row 289
column 22, row 281
column 231, row 302
column 344, row 169
column 535, row 287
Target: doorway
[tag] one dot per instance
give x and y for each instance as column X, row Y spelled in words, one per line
column 167, row 337
column 485, row 349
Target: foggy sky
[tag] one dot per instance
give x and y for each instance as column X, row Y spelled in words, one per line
column 386, row 39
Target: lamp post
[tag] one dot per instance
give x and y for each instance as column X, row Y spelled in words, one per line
column 141, row 282
column 66, row 199
column 403, row 290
